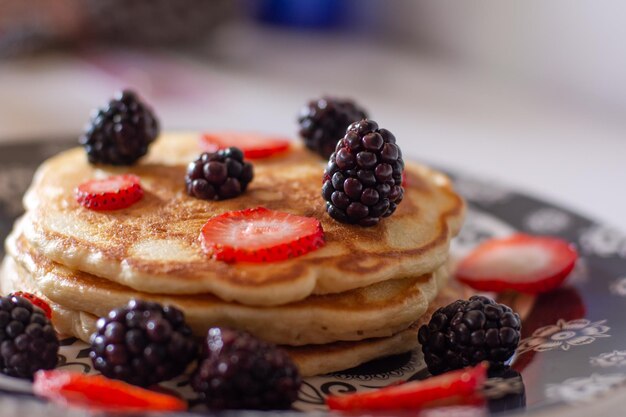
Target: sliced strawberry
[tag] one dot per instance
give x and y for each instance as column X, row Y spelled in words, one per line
column 260, row 235
column 253, row 145
column 457, row 387
column 36, row 301
column 524, row 263
column 112, row 193
column 98, row 393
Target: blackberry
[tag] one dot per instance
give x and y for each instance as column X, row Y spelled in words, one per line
column 120, row 133
column 28, row 341
column 143, row 343
column 465, row 333
column 239, row 371
column 363, row 179
column 218, row 176
column 323, row 123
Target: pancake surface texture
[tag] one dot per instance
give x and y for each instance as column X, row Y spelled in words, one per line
column 378, row 310
column 153, row 245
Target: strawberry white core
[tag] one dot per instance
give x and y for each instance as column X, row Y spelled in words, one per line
column 514, row 262
column 520, row 262
column 258, row 233
column 108, row 186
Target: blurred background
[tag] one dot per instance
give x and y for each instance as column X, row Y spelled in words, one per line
column 529, row 93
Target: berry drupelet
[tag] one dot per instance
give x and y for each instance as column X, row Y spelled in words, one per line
column 363, row 179
column 218, row 176
column 143, row 343
column 120, row 133
column 28, row 341
column 323, row 123
column 465, row 333
column 239, row 371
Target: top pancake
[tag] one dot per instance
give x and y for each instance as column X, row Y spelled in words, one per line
column 153, row 245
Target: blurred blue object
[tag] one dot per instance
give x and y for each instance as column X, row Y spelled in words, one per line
column 310, row 14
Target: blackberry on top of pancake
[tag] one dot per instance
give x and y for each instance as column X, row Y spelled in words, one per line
column 324, row 121
column 219, row 175
column 363, row 179
column 121, row 132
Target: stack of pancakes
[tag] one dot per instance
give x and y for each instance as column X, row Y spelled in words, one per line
column 357, row 298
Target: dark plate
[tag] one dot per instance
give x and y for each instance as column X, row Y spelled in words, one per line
column 574, row 345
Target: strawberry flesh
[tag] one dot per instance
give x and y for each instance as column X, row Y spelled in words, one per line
column 452, row 388
column 36, row 301
column 524, row 263
column 260, row 235
column 253, row 145
column 112, row 193
column 97, row 393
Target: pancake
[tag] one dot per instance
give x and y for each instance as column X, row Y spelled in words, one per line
column 153, row 246
column 333, row 357
column 378, row 310
column 311, row 360
column 315, row 360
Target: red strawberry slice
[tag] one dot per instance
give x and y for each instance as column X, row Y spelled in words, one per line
column 112, row 193
column 98, row 393
column 452, row 388
column 36, row 301
column 524, row 263
column 253, row 145
column 260, row 235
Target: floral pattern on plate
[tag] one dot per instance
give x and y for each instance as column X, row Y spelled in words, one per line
column 482, row 191
column 603, row 241
column 609, row 359
column 563, row 335
column 618, row 287
column 575, row 390
column 548, row 220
